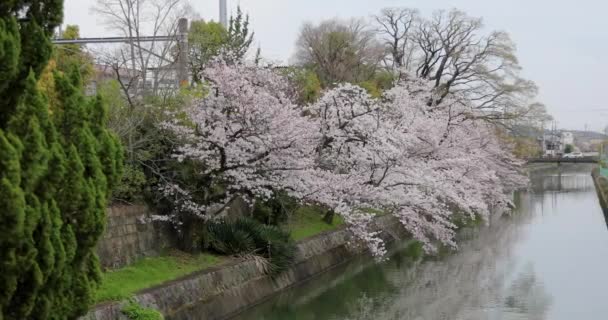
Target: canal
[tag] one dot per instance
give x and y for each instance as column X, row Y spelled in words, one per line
column 547, row 260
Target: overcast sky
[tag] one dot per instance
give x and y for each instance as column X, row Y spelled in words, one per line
column 560, row 43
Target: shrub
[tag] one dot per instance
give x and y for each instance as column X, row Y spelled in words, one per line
column 247, row 236
column 464, row 220
column 275, row 210
column 305, row 84
column 272, row 243
column 130, row 187
column 227, row 238
column 135, row 311
column 379, row 83
column 309, row 86
column 415, row 250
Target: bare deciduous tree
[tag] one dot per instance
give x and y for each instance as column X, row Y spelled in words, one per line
column 340, row 51
column 452, row 50
column 484, row 67
column 395, row 28
column 142, row 69
column 151, row 63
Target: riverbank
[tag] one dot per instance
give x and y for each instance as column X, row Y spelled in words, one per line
column 530, row 167
column 137, row 254
column 121, row 284
column 245, row 281
column 181, row 287
column 601, row 188
column 525, row 265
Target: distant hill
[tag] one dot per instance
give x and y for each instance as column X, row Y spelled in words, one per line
column 587, row 135
column 579, row 135
column 588, row 141
column 526, row 131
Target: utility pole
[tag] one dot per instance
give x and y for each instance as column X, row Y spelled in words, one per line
column 224, row 13
column 182, row 58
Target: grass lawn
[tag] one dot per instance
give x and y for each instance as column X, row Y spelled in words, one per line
column 307, row 222
column 148, row 272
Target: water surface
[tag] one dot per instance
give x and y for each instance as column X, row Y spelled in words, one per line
column 548, row 260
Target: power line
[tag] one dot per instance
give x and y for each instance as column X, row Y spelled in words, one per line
column 181, row 38
column 115, row 39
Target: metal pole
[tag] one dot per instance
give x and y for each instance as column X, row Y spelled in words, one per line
column 224, row 13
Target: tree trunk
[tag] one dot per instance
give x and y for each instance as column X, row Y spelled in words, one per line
column 329, row 217
column 192, row 237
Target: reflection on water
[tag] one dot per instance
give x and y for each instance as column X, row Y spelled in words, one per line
column 548, row 260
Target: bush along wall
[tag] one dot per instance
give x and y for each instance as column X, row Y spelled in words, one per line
column 134, row 311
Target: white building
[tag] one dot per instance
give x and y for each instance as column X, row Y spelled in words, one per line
column 552, row 144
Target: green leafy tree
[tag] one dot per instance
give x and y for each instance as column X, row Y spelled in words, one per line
column 568, row 149
column 145, row 143
column 56, row 170
column 380, row 82
column 206, row 41
column 309, row 86
column 69, row 56
column 65, row 57
column 306, row 83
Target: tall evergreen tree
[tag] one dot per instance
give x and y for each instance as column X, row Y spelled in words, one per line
column 239, row 36
column 56, row 170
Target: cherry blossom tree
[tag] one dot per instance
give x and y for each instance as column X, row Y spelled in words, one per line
column 245, row 136
column 348, row 152
column 422, row 164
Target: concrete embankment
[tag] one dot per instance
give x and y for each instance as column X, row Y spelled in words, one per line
column 221, row 292
column 539, row 166
column 601, row 187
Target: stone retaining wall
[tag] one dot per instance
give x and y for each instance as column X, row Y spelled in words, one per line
column 221, row 292
column 130, row 235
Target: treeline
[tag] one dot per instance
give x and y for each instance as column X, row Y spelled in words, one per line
column 450, row 49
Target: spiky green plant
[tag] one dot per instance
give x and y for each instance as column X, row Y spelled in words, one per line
column 227, row 238
column 247, row 236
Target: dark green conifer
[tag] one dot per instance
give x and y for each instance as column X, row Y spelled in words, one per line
column 57, row 168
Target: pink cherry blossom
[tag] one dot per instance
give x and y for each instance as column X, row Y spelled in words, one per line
column 349, row 152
